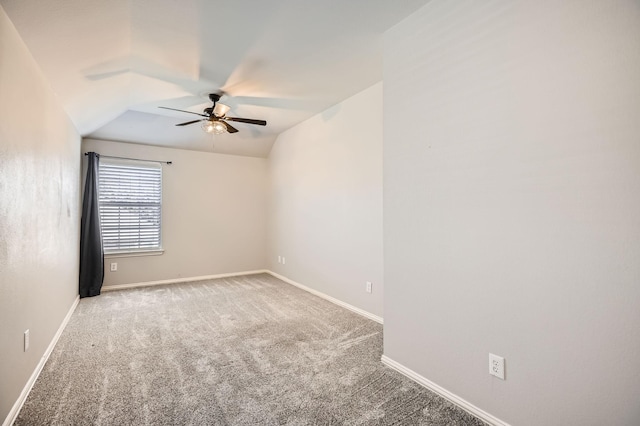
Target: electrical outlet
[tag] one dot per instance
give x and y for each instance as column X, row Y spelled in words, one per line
column 26, row 340
column 496, row 366
column 283, row 260
column 368, row 286
column 114, row 267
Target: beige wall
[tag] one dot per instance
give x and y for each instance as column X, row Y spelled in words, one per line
column 213, row 214
column 512, row 205
column 39, row 214
column 325, row 214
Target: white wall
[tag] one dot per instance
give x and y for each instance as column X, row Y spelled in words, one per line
column 39, row 214
column 512, row 205
column 213, row 214
column 325, row 214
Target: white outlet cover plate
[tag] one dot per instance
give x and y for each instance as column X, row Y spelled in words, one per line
column 496, row 366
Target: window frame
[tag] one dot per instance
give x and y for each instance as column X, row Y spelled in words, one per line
column 133, row 165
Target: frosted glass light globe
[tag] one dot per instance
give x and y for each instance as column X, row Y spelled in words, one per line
column 215, row 127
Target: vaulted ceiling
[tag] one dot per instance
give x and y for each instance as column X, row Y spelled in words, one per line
column 113, row 62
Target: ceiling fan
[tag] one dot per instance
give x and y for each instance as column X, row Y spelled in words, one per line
column 215, row 119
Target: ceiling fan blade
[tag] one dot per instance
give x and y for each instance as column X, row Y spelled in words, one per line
column 188, row 122
column 247, row 120
column 188, row 112
column 230, row 128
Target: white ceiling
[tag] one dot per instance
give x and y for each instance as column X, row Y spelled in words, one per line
column 113, row 62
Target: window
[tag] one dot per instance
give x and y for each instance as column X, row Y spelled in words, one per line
column 130, row 200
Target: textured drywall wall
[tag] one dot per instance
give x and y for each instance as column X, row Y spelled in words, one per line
column 325, row 204
column 213, row 214
column 512, row 207
column 39, row 214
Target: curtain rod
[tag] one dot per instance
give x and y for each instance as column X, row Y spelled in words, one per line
column 134, row 159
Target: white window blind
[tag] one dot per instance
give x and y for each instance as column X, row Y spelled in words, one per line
column 130, row 200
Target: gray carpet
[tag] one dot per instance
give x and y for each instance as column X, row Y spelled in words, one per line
column 236, row 351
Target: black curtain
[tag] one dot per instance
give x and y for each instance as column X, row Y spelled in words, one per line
column 91, row 253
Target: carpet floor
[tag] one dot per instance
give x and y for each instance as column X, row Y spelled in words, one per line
column 248, row 350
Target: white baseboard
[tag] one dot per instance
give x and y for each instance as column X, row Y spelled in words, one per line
column 181, row 280
column 13, row 414
column 352, row 308
column 460, row 402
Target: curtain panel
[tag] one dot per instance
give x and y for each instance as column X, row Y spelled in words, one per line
column 91, row 251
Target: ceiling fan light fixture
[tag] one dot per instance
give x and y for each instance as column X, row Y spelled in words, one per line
column 215, row 127
column 221, row 109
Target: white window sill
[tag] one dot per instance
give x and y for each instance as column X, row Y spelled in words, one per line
column 134, row 253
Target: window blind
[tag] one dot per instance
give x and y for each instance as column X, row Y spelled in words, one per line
column 130, row 200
